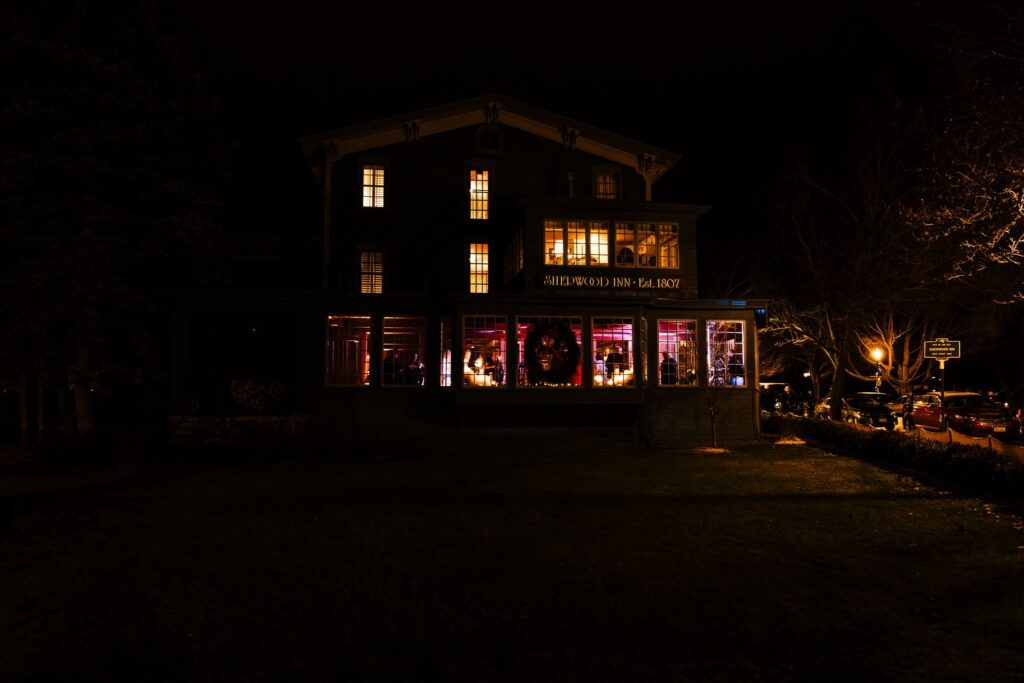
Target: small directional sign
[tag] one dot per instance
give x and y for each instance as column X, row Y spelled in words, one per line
column 942, row 348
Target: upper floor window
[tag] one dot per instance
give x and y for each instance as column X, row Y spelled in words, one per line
column 606, row 186
column 478, row 268
column 373, row 186
column 575, row 243
column 371, row 272
column 647, row 245
column 488, row 139
column 479, row 193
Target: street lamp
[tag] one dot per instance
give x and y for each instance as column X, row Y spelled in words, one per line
column 876, row 353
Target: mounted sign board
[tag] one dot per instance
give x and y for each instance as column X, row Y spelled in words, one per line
column 942, row 348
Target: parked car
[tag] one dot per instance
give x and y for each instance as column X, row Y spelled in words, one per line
column 860, row 409
column 965, row 411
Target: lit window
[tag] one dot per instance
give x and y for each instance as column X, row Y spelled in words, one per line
column 668, row 245
column 726, row 366
column 677, row 353
column 348, row 350
column 446, row 352
column 371, row 272
column 478, row 268
column 625, row 244
column 647, row 245
column 575, row 243
column 549, row 352
column 483, row 359
column 607, row 186
column 402, row 361
column 479, row 187
column 373, row 187
column 613, row 352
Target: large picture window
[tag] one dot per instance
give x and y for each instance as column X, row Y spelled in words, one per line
column 726, row 360
column 402, row 359
column 613, row 352
column 348, row 351
column 647, row 245
column 677, row 353
column 483, row 358
column 549, row 351
column 575, row 243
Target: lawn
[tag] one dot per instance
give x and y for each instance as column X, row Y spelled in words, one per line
column 519, row 562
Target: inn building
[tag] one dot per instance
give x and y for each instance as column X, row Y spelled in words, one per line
column 491, row 263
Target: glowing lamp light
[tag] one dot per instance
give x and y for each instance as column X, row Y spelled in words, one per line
column 876, row 353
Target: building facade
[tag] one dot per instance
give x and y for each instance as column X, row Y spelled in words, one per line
column 490, row 263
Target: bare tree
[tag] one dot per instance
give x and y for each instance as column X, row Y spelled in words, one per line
column 903, row 365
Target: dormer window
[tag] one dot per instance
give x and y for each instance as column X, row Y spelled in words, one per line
column 373, row 186
column 488, row 139
column 606, row 185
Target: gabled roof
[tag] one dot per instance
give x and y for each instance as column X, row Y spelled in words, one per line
column 502, row 111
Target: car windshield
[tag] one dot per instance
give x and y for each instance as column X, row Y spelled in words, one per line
column 969, row 401
column 862, row 402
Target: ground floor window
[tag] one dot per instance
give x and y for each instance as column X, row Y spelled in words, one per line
column 348, row 350
column 677, row 352
column 726, row 361
column 446, row 352
column 483, row 357
column 613, row 352
column 549, row 351
column 402, row 363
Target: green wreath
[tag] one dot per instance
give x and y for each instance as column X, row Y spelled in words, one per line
column 551, row 352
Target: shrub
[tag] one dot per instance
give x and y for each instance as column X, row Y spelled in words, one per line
column 967, row 467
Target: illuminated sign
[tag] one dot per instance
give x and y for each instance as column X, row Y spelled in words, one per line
column 942, row 348
column 610, row 282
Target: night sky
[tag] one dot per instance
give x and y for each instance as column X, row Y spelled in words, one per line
column 738, row 91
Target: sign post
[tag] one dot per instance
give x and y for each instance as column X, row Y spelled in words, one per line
column 942, row 349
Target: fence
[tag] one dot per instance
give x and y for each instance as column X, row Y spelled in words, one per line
column 953, row 436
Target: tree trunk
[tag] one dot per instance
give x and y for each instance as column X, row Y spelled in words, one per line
column 835, row 410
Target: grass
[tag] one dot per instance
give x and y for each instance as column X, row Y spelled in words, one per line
column 760, row 563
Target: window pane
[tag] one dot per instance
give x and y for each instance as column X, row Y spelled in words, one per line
column 478, row 193
column 446, row 352
column 677, row 350
column 402, row 362
column 668, row 245
column 646, row 246
column 625, row 244
column 613, row 352
column 576, row 244
column 483, row 359
column 478, row 268
column 373, row 186
column 371, row 268
column 726, row 366
column 554, row 243
column 549, row 351
column 607, row 186
column 598, row 243
column 348, row 350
